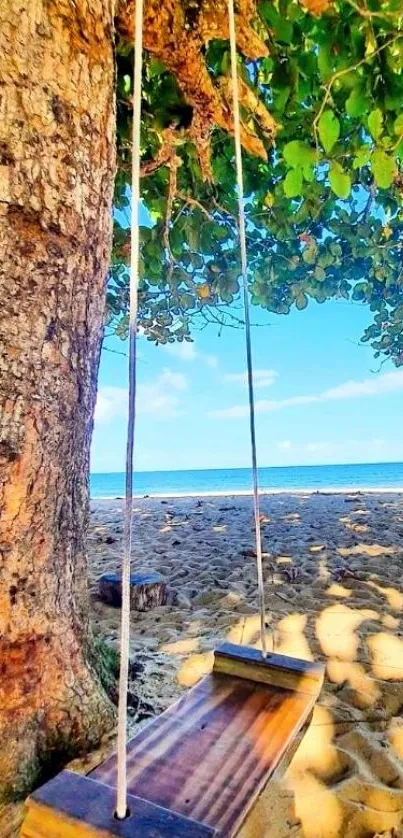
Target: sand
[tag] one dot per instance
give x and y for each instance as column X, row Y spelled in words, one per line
column 333, row 569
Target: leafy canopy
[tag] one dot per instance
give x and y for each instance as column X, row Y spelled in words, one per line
column 325, row 210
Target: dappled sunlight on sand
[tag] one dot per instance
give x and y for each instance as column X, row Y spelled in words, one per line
column 338, row 590
column 290, row 639
column 317, row 807
column 390, row 622
column 351, row 525
column 316, row 752
column 360, row 774
column 395, row 736
column 365, row 690
column 387, row 656
column 335, row 630
column 284, row 560
column 335, row 598
column 374, row 550
column 194, row 668
column 393, row 596
column 245, row 631
column 375, row 764
column 364, row 819
column 181, row 647
column 323, row 571
column 231, row 600
column 316, row 548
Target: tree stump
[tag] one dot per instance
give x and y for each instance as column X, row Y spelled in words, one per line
column 147, row 590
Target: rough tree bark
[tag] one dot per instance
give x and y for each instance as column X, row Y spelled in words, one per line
column 56, row 178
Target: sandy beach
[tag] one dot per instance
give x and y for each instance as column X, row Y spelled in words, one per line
column 333, row 578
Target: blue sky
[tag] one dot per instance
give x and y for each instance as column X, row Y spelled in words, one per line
column 318, row 398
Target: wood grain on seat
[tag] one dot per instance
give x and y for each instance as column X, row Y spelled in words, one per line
column 209, row 756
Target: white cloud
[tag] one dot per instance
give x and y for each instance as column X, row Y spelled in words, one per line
column 184, row 351
column 378, row 385
column 378, row 442
column 387, row 383
column 187, row 351
column 158, row 398
column 111, row 402
column 318, row 447
column 284, row 445
column 261, row 378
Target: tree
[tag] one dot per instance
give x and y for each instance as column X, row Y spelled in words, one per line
column 56, row 183
column 321, row 89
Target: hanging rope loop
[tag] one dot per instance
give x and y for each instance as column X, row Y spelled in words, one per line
column 248, row 339
column 121, row 798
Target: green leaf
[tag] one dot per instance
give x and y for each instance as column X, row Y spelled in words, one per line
column 383, row 167
column 293, row 183
column 356, row 104
column 325, row 62
column 280, row 98
column 319, row 273
column 398, row 125
column 187, row 300
column 375, row 123
column 329, row 130
column 335, row 249
column 297, row 153
column 362, row 157
column 309, row 254
column 155, row 68
column 283, row 30
column 360, row 290
column 339, row 180
column 301, row 301
column 309, row 173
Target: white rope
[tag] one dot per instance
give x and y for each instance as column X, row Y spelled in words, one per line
column 242, row 240
column 121, row 798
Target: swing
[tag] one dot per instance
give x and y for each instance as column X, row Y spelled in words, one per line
column 197, row 770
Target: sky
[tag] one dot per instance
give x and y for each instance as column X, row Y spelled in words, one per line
column 321, row 397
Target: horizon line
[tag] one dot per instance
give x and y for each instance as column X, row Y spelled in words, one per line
column 243, row 468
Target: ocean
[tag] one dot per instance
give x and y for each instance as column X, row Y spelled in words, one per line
column 374, row 476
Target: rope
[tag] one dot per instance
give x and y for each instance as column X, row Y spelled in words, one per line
column 121, row 798
column 242, row 240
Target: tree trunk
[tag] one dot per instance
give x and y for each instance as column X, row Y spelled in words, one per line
column 57, row 163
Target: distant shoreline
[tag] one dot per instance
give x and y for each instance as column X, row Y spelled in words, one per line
column 395, row 490
column 238, row 482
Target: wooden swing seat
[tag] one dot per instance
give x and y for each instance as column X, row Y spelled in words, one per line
column 197, row 769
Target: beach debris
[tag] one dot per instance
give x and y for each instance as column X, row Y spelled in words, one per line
column 292, row 574
column 219, row 584
column 341, row 573
column 281, row 596
column 147, row 590
column 249, row 553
